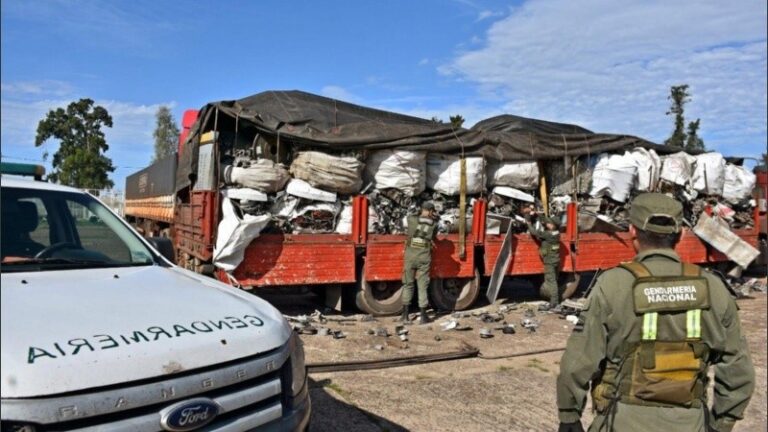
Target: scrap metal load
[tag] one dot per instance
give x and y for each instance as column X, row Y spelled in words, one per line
column 290, row 162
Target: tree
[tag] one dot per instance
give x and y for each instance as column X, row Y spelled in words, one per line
column 436, row 120
column 688, row 139
column 166, row 134
column 80, row 159
column 679, row 96
column 456, row 121
column 693, row 142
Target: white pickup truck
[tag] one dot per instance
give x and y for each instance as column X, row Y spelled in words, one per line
column 101, row 332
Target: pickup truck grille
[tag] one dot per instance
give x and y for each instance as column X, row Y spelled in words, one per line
column 251, row 392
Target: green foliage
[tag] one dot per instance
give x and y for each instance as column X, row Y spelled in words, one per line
column 80, row 159
column 679, row 96
column 456, row 121
column 166, row 134
column 435, row 120
column 694, row 142
column 689, row 140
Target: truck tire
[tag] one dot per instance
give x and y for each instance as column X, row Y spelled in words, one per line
column 379, row 298
column 454, row 294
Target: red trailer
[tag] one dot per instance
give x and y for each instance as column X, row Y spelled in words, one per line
column 370, row 265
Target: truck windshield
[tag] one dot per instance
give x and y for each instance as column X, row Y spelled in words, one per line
column 53, row 230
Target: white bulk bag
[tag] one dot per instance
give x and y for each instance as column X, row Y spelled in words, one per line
column 234, row 235
column 709, row 174
column 373, row 219
column 344, row 224
column 521, row 175
column 613, row 176
column 263, row 175
column 444, row 173
column 677, row 168
column 648, row 168
column 739, row 183
column 340, row 174
column 399, row 169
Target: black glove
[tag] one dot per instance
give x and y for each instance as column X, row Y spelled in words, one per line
column 570, row 427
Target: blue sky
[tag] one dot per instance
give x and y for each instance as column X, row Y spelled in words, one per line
column 604, row 64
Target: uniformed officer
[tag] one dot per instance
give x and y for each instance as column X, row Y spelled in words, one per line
column 418, row 259
column 549, row 250
column 648, row 335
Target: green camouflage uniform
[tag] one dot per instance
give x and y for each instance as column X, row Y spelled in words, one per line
column 418, row 258
column 645, row 342
column 550, row 255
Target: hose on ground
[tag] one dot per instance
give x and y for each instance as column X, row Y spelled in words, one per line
column 465, row 352
column 521, row 354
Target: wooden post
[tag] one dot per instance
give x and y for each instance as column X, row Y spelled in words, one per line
column 543, row 189
column 463, row 209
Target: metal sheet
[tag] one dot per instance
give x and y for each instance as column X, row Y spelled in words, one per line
column 205, row 168
column 723, row 239
column 500, row 266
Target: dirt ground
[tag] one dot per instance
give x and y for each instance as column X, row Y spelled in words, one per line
column 511, row 394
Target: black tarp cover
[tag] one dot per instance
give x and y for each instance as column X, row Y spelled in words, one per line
column 312, row 121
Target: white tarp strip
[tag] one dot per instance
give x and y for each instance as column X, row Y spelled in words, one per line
column 302, row 189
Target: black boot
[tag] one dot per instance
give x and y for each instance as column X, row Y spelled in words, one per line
column 423, row 318
column 404, row 315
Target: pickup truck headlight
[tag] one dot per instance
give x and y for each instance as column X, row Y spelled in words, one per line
column 298, row 367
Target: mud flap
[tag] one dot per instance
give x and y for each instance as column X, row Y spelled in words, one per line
column 500, row 266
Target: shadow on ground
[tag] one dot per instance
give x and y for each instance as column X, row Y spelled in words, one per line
column 331, row 413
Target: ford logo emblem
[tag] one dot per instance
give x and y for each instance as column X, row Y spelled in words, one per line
column 189, row 414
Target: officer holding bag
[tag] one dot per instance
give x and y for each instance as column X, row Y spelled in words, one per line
column 651, row 330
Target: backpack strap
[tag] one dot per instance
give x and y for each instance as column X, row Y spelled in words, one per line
column 689, row 269
column 638, row 269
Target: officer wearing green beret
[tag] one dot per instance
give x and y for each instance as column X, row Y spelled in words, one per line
column 422, row 231
column 549, row 250
column 648, row 335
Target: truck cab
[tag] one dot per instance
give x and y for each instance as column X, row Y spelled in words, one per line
column 101, row 332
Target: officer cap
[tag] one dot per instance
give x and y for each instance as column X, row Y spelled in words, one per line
column 656, row 213
column 427, row 205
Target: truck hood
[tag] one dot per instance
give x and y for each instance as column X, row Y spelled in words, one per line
column 64, row 331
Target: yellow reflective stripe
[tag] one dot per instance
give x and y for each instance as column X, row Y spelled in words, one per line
column 693, row 324
column 649, row 325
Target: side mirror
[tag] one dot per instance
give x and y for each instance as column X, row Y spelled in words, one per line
column 163, row 245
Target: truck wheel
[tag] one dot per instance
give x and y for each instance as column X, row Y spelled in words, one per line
column 454, row 294
column 379, row 298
